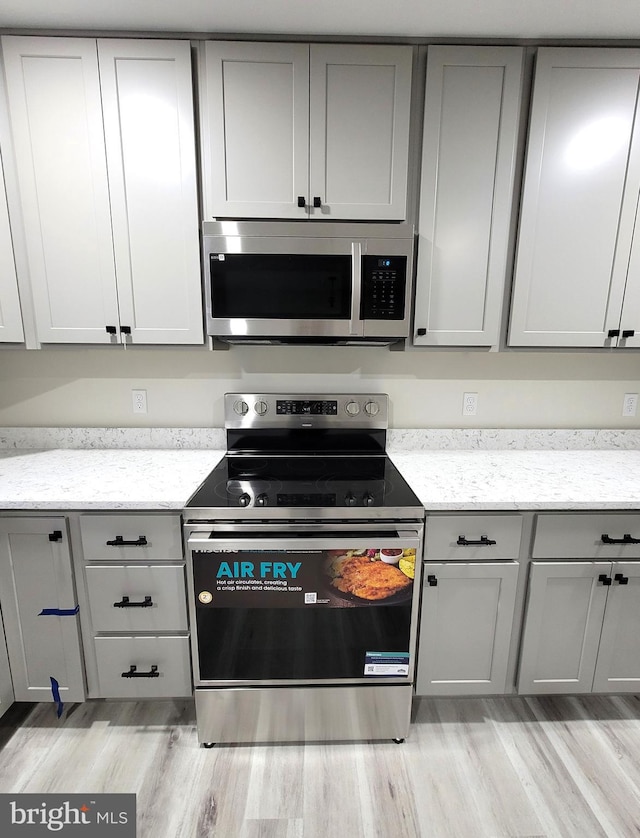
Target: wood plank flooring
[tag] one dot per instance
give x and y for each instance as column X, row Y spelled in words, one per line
column 474, row 768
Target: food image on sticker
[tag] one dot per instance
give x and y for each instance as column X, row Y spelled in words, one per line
column 407, row 563
column 361, row 573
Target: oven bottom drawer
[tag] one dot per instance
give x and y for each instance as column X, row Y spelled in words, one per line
column 162, row 667
column 303, row 714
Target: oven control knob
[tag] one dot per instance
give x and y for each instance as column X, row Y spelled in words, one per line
column 368, row 499
column 261, row 408
column 262, row 499
column 350, row 499
column 241, row 407
column 352, row 408
column 244, row 499
column 372, row 408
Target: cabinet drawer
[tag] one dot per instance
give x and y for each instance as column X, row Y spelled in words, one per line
column 446, row 536
column 581, row 536
column 126, row 537
column 116, row 655
column 118, row 597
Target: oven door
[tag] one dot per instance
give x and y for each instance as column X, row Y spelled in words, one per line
column 283, row 287
column 303, row 608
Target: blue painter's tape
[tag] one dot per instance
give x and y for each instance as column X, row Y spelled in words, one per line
column 59, row 612
column 55, row 691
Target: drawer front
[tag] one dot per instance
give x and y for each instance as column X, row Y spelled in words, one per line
column 448, row 536
column 116, row 655
column 131, row 537
column 137, row 597
column 599, row 536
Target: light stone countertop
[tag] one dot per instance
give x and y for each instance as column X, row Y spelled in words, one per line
column 102, row 479
column 109, row 479
column 469, row 480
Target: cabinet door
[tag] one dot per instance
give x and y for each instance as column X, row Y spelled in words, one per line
column 618, row 667
column 10, row 314
column 56, row 120
column 630, row 320
column 472, row 110
column 35, row 577
column 580, row 191
column 465, row 628
column 254, row 102
column 360, row 101
column 6, row 684
column 562, row 627
column 148, row 122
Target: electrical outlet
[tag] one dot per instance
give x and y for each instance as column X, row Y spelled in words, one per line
column 629, row 404
column 469, row 404
column 139, row 399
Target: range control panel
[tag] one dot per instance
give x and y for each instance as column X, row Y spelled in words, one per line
column 384, row 281
column 273, row 410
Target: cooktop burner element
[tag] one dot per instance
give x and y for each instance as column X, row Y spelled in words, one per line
column 305, row 457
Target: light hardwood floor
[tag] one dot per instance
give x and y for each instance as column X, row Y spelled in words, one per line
column 474, row 768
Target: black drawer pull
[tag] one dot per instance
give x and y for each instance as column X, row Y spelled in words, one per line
column 626, row 539
column 125, row 330
column 126, row 603
column 628, row 333
column 119, row 541
column 606, row 580
column 432, row 580
column 111, row 330
column 301, row 201
column 613, row 333
column 621, row 579
column 483, row 541
column 56, row 535
column 316, row 201
column 421, row 332
column 133, row 673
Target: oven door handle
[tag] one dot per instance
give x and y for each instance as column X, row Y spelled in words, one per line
column 203, row 541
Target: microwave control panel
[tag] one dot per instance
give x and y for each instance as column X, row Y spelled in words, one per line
column 384, row 281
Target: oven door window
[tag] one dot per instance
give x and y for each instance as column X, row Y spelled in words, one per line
column 303, row 614
column 291, row 287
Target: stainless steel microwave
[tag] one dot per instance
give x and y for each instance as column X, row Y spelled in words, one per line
column 308, row 282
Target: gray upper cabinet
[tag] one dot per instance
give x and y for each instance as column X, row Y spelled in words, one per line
column 298, row 131
column 574, row 282
column 472, row 112
column 104, row 141
column 39, row 609
column 10, row 313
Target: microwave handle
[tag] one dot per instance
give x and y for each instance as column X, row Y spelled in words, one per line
column 356, row 325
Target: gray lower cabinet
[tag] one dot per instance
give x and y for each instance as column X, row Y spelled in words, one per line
column 39, row 610
column 465, row 628
column 582, row 628
column 134, row 576
column 6, row 684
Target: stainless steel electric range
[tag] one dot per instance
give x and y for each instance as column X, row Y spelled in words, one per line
column 303, row 558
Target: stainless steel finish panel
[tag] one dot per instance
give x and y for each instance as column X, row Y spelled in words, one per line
column 302, row 229
column 362, row 420
column 408, row 535
column 303, row 714
column 326, row 517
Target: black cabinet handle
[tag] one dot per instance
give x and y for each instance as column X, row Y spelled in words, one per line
column 111, row 330
column 316, row 201
column 483, row 541
column 56, row 535
column 606, row 580
column 421, row 332
column 621, row 579
column 626, row 539
column 125, row 330
column 119, row 541
column 432, row 580
column 125, row 602
column 613, row 333
column 301, row 201
column 133, row 672
column 628, row 333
